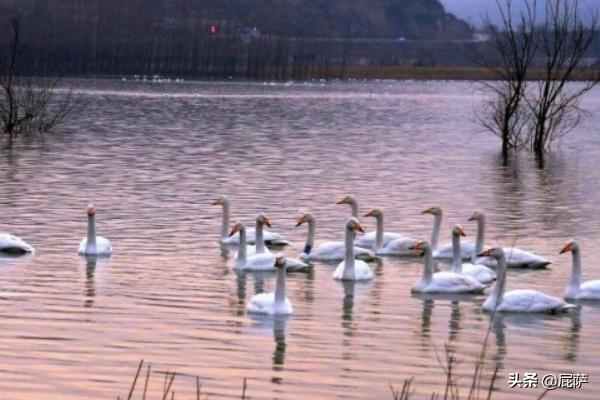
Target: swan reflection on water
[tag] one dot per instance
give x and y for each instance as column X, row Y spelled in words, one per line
column 90, row 285
column 277, row 324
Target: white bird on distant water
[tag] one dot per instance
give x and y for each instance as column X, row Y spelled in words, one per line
column 93, row 244
column 327, row 251
column 274, row 303
column 576, row 290
column 259, row 261
column 445, row 251
column 10, row 244
column 397, row 244
column 444, row 281
column 271, row 238
column 351, row 269
column 520, row 300
column 477, row 271
column 368, row 239
column 515, row 257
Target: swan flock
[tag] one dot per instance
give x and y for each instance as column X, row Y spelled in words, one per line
column 473, row 268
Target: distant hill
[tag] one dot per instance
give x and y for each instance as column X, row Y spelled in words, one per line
column 416, row 19
column 264, row 39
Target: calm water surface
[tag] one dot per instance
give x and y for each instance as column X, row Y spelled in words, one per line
column 152, row 157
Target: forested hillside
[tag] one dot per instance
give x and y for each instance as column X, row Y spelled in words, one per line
column 287, row 38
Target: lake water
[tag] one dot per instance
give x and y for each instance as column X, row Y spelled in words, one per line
column 153, row 156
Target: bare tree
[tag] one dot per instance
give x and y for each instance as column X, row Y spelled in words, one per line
column 528, row 113
column 564, row 43
column 27, row 105
column 509, row 55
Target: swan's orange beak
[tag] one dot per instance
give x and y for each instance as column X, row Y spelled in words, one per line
column 460, row 231
column 90, row 211
column 418, row 246
column 301, row 220
column 370, row 213
column 343, row 201
column 473, row 218
column 568, row 247
column 358, row 227
column 279, row 261
column 234, row 229
column 216, row 202
column 430, row 210
column 486, row 253
column 267, row 222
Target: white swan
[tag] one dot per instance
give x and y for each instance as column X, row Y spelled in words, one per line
column 444, row 281
column 351, row 269
column 259, row 246
column 368, row 239
column 515, row 257
column 274, row 303
column 261, row 261
column 445, row 251
column 479, row 272
column 271, row 238
column 93, row 244
column 399, row 246
column 576, row 290
column 328, row 251
column 520, row 300
column 10, row 244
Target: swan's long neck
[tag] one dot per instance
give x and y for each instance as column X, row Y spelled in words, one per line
column 575, row 282
column 349, row 273
column 354, row 205
column 280, row 287
column 456, row 256
column 379, row 232
column 310, row 240
column 259, row 238
column 91, row 233
column 428, row 266
column 435, row 233
column 480, row 236
column 498, row 292
column 242, row 254
column 225, row 220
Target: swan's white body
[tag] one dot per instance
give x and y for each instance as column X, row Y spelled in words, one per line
column 445, row 251
column 351, row 269
column 445, row 281
column 478, row 272
column 328, row 251
column 515, row 257
column 14, row 245
column 260, row 261
column 275, row 303
column 272, row 238
column 370, row 240
column 520, row 300
column 93, row 244
column 576, row 290
column 386, row 243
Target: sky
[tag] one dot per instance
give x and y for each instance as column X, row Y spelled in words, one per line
column 473, row 10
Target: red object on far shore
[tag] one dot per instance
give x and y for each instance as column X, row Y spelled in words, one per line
column 214, row 29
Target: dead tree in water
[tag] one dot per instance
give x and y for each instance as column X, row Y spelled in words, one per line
column 26, row 104
column 564, row 43
column 509, row 56
column 533, row 114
